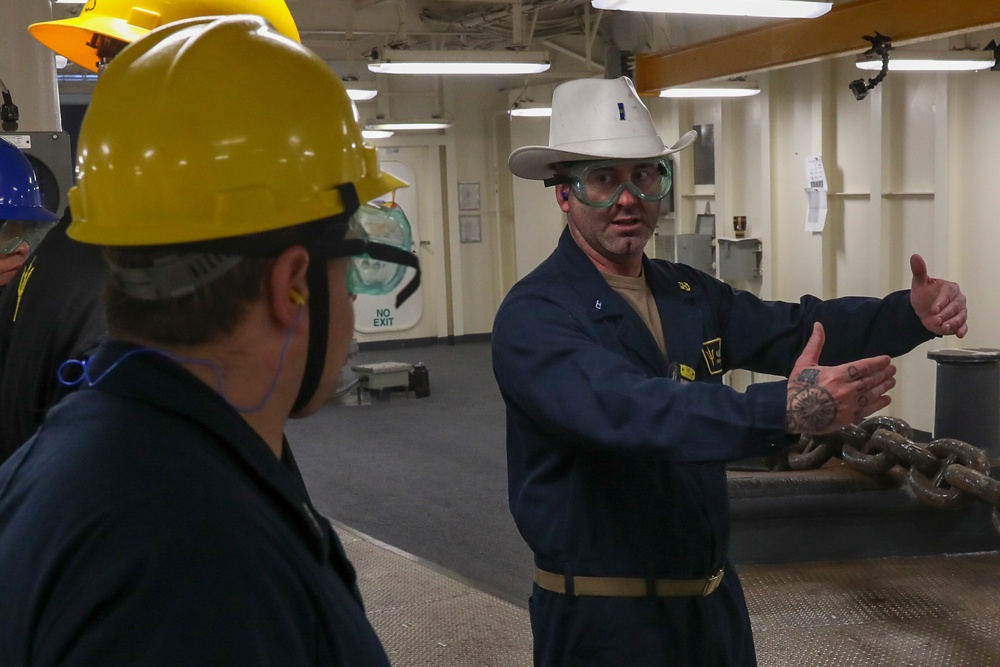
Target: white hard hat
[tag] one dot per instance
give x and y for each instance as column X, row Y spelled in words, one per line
column 594, row 119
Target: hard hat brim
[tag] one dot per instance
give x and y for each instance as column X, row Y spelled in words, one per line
column 68, row 37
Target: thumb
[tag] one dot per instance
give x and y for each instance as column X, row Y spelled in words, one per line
column 919, row 269
column 810, row 354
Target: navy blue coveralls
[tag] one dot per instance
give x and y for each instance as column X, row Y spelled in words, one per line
column 146, row 523
column 617, row 470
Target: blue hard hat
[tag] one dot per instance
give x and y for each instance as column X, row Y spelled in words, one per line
column 20, row 196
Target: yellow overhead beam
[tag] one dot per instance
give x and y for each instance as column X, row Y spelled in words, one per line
column 836, row 33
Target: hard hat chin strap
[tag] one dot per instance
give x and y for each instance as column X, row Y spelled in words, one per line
column 317, row 278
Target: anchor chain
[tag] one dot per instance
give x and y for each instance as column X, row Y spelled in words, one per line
column 945, row 473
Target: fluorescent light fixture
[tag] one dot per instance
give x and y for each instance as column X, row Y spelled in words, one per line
column 930, row 61
column 460, row 62
column 789, row 9
column 531, row 112
column 376, row 134
column 76, row 78
column 408, row 125
column 713, row 89
column 359, row 92
column 528, row 109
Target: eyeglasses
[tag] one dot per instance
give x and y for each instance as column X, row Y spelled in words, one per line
column 600, row 184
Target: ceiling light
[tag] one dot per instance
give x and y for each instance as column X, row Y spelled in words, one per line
column 531, row 112
column 770, row 8
column 459, row 62
column 930, row 61
column 529, row 109
column 376, row 134
column 433, row 123
column 713, row 89
column 85, row 77
column 359, row 92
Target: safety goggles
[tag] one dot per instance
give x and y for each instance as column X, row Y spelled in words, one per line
column 600, row 184
column 15, row 232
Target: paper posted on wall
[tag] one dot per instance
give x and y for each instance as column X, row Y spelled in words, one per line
column 815, row 194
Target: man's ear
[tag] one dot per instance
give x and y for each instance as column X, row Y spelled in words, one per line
column 288, row 290
column 562, row 197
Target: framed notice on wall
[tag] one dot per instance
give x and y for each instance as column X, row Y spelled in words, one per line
column 470, row 228
column 468, row 196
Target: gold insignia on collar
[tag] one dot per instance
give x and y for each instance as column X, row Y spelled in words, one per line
column 22, row 284
column 684, row 286
column 711, row 351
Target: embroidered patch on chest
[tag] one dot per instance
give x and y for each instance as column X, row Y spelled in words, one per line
column 711, row 351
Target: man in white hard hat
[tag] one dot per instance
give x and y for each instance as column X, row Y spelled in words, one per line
column 618, row 423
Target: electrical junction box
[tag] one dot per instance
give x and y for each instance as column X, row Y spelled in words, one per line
column 739, row 259
column 51, row 157
column 695, row 250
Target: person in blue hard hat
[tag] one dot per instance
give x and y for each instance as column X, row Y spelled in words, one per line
column 619, row 425
column 24, row 220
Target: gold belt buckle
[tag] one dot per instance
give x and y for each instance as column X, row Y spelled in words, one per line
column 713, row 582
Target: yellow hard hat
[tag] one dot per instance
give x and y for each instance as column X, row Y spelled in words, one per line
column 212, row 128
column 131, row 20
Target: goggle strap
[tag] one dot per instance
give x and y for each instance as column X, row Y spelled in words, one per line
column 388, row 253
column 557, row 180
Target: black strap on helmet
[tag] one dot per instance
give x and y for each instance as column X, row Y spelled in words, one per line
column 317, row 278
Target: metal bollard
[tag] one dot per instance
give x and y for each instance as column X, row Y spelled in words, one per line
column 967, row 398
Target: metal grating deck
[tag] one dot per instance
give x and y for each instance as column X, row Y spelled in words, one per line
column 939, row 611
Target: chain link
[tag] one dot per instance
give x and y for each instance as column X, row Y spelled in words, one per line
column 945, row 473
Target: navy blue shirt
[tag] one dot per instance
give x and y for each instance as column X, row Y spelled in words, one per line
column 147, row 524
column 616, row 455
column 50, row 312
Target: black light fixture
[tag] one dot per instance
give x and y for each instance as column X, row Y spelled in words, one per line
column 881, row 45
column 8, row 110
column 992, row 46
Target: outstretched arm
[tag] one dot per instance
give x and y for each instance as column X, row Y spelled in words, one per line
column 939, row 304
column 823, row 399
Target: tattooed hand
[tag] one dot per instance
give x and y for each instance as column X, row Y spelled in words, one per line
column 823, row 399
